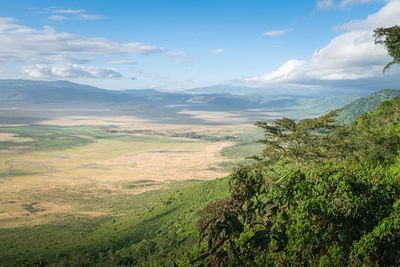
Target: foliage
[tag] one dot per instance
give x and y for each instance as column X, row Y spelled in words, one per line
column 390, row 38
column 290, row 145
column 338, row 203
column 364, row 104
column 158, row 226
column 375, row 134
column 307, row 219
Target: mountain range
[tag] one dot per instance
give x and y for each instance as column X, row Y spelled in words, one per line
column 27, row 101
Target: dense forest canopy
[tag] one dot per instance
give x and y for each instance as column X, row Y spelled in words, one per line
column 321, row 193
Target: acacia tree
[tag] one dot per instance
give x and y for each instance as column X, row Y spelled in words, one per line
column 390, row 38
column 291, row 145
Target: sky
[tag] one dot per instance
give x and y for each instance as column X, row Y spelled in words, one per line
column 286, row 45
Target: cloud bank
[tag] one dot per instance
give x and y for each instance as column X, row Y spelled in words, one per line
column 72, row 14
column 68, row 71
column 351, row 59
column 47, row 54
column 18, row 43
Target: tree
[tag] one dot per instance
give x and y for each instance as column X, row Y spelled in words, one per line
column 390, row 38
column 337, row 203
column 291, row 145
column 331, row 217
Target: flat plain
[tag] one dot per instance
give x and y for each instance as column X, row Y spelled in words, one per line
column 60, row 166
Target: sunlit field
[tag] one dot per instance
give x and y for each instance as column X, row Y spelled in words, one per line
column 79, row 171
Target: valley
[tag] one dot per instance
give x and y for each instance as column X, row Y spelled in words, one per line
column 83, row 175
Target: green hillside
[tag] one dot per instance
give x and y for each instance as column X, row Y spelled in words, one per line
column 158, row 225
column 322, row 193
column 367, row 103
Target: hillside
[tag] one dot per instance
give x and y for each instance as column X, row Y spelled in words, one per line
column 321, row 194
column 367, row 103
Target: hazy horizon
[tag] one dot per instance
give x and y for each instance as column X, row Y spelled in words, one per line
column 309, row 46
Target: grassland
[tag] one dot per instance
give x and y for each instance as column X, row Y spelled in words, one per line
column 93, row 184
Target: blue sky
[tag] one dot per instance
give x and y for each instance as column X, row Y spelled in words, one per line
column 177, row 44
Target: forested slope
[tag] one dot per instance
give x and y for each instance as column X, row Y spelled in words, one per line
column 321, row 194
column 367, row 103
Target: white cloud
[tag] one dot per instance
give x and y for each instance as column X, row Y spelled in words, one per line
column 350, row 58
column 72, row 14
column 291, row 70
column 90, row 16
column 69, row 11
column 217, row 51
column 39, row 71
column 275, row 33
column 22, row 43
column 322, row 4
column 121, row 62
column 386, row 17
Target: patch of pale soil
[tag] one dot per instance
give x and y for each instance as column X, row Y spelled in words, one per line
column 169, row 165
column 12, row 125
column 4, row 137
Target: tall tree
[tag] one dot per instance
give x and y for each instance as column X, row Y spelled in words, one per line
column 390, row 38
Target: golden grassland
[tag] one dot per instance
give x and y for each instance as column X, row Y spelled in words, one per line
column 137, row 156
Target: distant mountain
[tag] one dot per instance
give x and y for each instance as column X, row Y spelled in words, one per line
column 26, row 101
column 314, row 107
column 54, row 92
column 367, row 103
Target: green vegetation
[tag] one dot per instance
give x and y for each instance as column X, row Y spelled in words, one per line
column 158, row 224
column 390, row 38
column 59, row 212
column 245, row 145
column 365, row 104
column 53, row 137
column 321, row 193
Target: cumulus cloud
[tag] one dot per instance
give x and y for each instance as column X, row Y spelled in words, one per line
column 386, row 17
column 39, row 71
column 290, row 71
column 68, row 11
column 22, row 43
column 275, row 33
column 217, row 51
column 72, row 14
column 350, row 58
